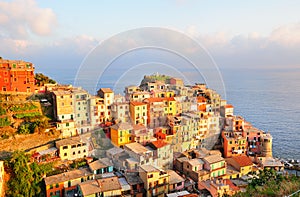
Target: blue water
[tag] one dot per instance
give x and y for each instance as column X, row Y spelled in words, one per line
column 269, row 99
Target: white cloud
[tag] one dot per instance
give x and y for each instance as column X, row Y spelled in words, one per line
column 19, row 18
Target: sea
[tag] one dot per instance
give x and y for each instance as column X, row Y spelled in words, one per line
column 267, row 98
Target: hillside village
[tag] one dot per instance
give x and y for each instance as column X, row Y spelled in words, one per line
column 161, row 138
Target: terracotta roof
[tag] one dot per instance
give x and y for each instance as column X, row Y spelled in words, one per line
column 106, row 90
column 201, row 99
column 242, row 160
column 109, row 184
column 139, row 127
column 159, row 99
column 66, row 176
column 213, row 158
column 90, row 187
column 228, row 106
column 135, row 103
column 69, row 141
column 159, row 143
column 231, row 185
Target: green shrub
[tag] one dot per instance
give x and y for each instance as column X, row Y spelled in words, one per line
column 4, row 122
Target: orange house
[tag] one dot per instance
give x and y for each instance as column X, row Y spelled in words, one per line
column 233, row 145
column 16, row 76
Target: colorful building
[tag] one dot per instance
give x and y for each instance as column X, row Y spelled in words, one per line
column 138, row 112
column 108, row 95
column 241, row 163
column 163, row 152
column 156, row 181
column 233, row 145
column 121, row 134
column 72, row 148
column 61, row 184
column 215, row 164
column 16, row 76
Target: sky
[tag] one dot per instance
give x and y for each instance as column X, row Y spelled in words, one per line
column 57, row 36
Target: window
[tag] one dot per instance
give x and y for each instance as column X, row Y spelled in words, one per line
column 65, row 147
column 67, row 124
column 79, row 152
column 150, row 175
column 69, row 183
column 74, row 153
column 65, row 154
column 51, row 186
column 57, row 185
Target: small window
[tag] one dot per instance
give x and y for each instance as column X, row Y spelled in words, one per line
column 57, row 185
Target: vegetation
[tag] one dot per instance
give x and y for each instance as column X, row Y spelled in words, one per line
column 2, row 111
column 155, row 77
column 270, row 183
column 23, row 107
column 42, row 79
column 78, row 164
column 25, row 177
column 4, row 122
column 27, row 115
column 33, row 125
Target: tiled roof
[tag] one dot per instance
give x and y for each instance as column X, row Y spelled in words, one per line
column 135, row 103
column 109, row 184
column 122, row 126
column 174, row 177
column 66, row 176
column 242, row 160
column 106, row 90
column 96, row 165
column 69, row 141
column 149, row 168
column 136, row 147
column 213, row 158
column 195, row 161
column 159, row 143
column 90, row 187
column 228, row 106
column 159, row 99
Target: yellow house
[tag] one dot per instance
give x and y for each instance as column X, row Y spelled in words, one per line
column 156, row 181
column 138, row 112
column 242, row 163
column 121, row 134
column 67, row 128
column 215, row 164
column 57, row 185
column 72, row 148
column 170, row 106
column 108, row 96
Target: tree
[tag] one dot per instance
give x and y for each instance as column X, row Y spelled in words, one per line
column 43, row 79
column 26, row 177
